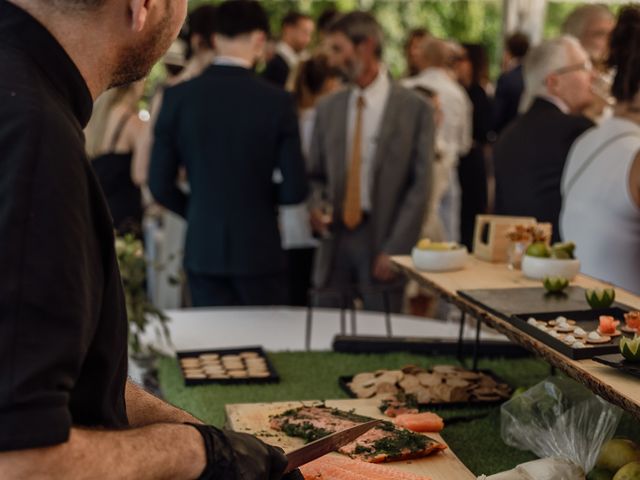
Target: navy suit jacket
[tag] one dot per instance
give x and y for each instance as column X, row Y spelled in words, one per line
column 231, row 130
column 507, row 98
column 277, row 71
column 529, row 160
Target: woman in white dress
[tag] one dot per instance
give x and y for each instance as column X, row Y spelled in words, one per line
column 601, row 181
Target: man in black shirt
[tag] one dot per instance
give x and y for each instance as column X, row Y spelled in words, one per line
column 66, row 408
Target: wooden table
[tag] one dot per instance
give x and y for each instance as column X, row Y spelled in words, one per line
column 254, row 418
column 616, row 387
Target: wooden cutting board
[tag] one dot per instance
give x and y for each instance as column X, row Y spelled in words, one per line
column 254, row 418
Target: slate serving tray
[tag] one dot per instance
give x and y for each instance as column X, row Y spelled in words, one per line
column 587, row 319
column 272, row 378
column 344, row 382
column 617, row 361
column 505, row 302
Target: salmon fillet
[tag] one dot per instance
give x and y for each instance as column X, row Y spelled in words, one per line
column 384, row 443
column 331, row 467
column 420, row 422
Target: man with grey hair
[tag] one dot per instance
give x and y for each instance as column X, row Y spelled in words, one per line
column 591, row 24
column 530, row 154
column 67, row 410
column 371, row 153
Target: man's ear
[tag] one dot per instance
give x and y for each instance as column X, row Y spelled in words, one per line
column 139, row 12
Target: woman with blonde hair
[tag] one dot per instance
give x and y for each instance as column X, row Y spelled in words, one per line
column 113, row 140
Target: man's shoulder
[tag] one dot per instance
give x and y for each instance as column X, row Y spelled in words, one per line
column 330, row 102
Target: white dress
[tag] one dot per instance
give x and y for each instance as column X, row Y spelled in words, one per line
column 599, row 213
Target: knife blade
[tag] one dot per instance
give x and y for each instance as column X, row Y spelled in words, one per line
column 328, row 444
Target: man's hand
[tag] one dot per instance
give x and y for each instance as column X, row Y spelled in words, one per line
column 320, row 222
column 239, row 456
column 383, row 269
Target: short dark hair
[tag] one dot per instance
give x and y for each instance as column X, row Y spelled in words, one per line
column 326, row 18
column 358, row 26
column 201, row 22
column 517, row 44
column 292, row 18
column 415, row 33
column 624, row 54
column 238, row 17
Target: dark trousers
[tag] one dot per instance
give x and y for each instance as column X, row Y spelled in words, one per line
column 220, row 291
column 300, row 267
column 472, row 175
column 352, row 274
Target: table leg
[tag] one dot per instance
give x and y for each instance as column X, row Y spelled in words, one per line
column 387, row 312
column 343, row 315
column 476, row 344
column 463, row 319
column 353, row 319
column 307, row 339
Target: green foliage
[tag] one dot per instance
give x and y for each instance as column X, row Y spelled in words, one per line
column 141, row 313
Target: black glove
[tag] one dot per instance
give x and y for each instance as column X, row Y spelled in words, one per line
column 239, row 456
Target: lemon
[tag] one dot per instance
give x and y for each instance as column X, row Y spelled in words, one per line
column 616, row 453
column 423, row 244
column 631, row 471
column 442, row 246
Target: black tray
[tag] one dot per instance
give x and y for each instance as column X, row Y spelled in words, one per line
column 587, row 319
column 272, row 378
column 505, row 302
column 617, row 361
column 345, row 380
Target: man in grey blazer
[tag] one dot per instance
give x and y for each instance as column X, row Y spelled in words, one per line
column 371, row 156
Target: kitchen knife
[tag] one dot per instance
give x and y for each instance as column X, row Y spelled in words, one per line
column 328, row 444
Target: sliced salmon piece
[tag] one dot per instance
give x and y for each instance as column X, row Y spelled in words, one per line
column 420, row 422
column 331, row 467
column 608, row 325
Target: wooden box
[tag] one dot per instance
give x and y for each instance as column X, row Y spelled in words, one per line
column 490, row 242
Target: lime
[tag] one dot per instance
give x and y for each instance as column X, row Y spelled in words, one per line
column 563, row 250
column 600, row 474
column 538, row 249
column 600, row 298
column 630, row 349
column 555, row 284
column 442, row 246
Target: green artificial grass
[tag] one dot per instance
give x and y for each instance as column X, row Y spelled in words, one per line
column 314, row 376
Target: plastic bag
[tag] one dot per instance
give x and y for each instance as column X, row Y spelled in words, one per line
column 546, row 469
column 559, row 418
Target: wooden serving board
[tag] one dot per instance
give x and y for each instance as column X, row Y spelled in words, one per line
column 254, row 418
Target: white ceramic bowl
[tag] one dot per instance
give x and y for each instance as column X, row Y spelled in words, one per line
column 439, row 260
column 538, row 268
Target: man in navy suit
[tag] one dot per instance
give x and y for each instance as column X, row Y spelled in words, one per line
column 231, row 130
column 511, row 83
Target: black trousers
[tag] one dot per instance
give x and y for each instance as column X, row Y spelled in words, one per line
column 221, row 291
column 472, row 175
column 300, row 268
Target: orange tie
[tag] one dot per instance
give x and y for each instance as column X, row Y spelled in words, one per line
column 352, row 208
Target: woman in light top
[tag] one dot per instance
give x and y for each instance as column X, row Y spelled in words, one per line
column 601, row 181
column 315, row 79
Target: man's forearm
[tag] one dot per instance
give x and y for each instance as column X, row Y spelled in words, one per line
column 155, row 452
column 145, row 409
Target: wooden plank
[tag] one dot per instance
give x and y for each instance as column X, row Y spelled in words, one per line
column 616, row 387
column 254, row 418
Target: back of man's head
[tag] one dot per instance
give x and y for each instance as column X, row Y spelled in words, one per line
column 436, row 53
column 240, row 17
column 358, row 27
column 517, row 44
column 578, row 20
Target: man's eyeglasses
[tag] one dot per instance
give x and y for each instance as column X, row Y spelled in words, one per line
column 586, row 66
